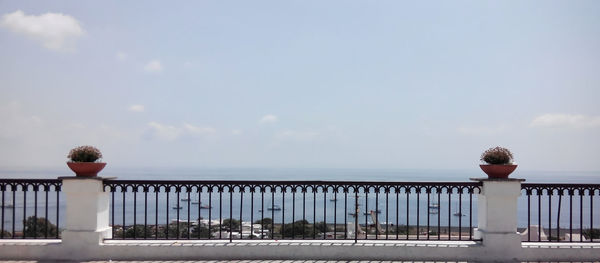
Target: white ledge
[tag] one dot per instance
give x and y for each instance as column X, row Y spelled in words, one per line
column 360, row 243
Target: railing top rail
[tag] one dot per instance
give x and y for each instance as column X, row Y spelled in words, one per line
column 529, row 185
column 290, row 182
column 16, row 180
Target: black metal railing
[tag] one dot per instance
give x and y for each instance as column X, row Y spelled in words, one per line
column 292, row 210
column 30, row 208
column 561, row 212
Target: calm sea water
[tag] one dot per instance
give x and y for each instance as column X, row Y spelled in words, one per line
column 305, row 205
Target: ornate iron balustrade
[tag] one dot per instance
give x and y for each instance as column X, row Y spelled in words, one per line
column 291, row 210
column 580, row 224
column 16, row 207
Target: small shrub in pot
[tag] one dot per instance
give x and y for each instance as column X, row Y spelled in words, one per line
column 498, row 162
column 84, row 161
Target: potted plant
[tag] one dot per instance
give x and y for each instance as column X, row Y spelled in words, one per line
column 498, row 162
column 84, row 161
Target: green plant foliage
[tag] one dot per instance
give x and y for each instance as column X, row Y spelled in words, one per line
column 591, row 233
column 139, row 232
column 298, row 228
column 497, row 155
column 37, row 228
column 84, row 154
column 235, row 224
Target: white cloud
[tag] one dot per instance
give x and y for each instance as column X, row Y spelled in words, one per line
column 236, row 132
column 170, row 133
column 153, row 66
column 164, row 132
column 54, row 31
column 269, row 118
column 195, row 130
column 137, row 108
column 121, row 56
column 566, row 120
column 482, row 130
column 297, row 135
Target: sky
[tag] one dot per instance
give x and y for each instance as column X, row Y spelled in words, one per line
column 320, row 84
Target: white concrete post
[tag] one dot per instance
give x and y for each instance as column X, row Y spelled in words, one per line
column 86, row 223
column 497, row 216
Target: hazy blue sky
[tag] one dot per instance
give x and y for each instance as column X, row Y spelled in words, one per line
column 344, row 84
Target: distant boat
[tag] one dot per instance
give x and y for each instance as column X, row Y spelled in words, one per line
column 333, row 200
column 185, row 199
column 434, row 205
column 273, row 208
column 205, row 207
column 459, row 214
column 378, row 212
column 178, row 207
column 8, row 205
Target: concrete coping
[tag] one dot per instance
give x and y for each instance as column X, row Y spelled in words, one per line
column 86, row 178
column 324, row 243
column 486, row 179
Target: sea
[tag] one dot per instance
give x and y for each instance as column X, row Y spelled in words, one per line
column 414, row 209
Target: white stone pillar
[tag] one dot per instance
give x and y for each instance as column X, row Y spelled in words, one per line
column 86, row 223
column 497, row 216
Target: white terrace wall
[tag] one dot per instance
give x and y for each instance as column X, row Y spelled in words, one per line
column 87, row 226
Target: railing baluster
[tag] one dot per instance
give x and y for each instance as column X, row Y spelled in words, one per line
column 407, row 189
column 449, row 213
column 145, row 212
column 591, row 214
column 439, row 195
column 262, row 212
column 376, row 213
column 252, row 189
column 209, row 189
column 386, row 213
column 418, row 190
column 124, row 190
column 539, row 192
column 156, row 211
column 167, row 190
column 335, row 191
column 273, row 189
column 15, row 209
column 134, row 211
column 314, row 189
column 528, row 216
column 220, row 189
column 570, row 215
column 345, row 214
column 24, row 189
column 470, row 213
column 188, row 212
column 397, row 190
column 231, row 214
column 35, row 217
column 428, row 204
column 241, row 189
column 460, row 190
column 199, row 191
column 549, row 191
column 283, row 189
column 293, row 212
column 367, row 190
column 46, row 189
column 57, row 214
column 325, row 211
column 558, row 217
column 356, row 215
column 581, row 193
column 3, row 204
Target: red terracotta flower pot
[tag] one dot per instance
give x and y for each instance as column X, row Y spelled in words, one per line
column 86, row 169
column 498, row 170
